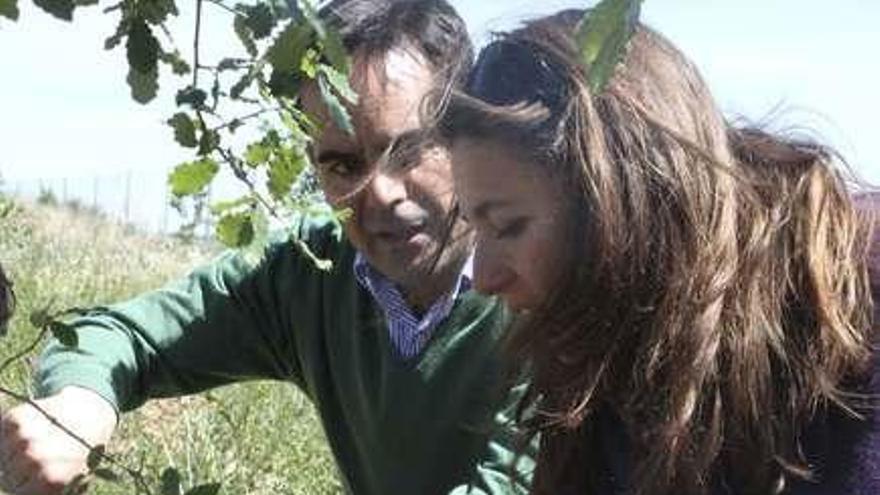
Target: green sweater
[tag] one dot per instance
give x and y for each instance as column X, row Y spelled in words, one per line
column 427, row 426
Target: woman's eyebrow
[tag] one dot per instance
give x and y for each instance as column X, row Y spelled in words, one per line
column 483, row 208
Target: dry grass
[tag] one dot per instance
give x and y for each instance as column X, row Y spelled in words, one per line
column 258, row 438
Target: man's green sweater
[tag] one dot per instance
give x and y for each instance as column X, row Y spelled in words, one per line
column 430, row 425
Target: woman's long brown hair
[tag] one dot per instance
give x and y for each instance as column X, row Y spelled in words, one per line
column 719, row 293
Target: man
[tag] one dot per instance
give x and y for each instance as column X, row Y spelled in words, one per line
column 398, row 355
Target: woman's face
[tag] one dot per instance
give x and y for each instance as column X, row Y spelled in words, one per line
column 517, row 212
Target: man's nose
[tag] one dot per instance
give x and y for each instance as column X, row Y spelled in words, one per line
column 491, row 272
column 385, row 189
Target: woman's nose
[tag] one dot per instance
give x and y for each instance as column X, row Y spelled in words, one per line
column 491, row 274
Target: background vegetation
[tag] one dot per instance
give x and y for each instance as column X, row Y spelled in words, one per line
column 257, row 438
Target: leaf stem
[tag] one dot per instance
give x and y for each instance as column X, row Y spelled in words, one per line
column 225, row 7
column 196, row 37
column 24, row 351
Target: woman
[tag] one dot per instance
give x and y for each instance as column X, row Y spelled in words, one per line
column 696, row 297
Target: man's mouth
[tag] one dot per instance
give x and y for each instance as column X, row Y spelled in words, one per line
column 401, row 235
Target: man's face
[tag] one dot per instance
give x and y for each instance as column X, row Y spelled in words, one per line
column 400, row 210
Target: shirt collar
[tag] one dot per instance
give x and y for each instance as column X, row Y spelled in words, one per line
column 409, row 334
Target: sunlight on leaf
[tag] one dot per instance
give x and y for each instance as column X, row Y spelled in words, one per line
column 192, row 177
column 184, row 130
column 602, row 38
column 9, row 9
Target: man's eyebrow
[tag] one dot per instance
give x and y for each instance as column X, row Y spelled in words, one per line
column 404, row 145
column 412, row 136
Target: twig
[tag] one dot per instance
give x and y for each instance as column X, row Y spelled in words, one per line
column 33, row 345
column 225, row 7
column 245, row 117
column 196, row 36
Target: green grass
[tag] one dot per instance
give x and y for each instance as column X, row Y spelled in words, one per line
column 255, row 438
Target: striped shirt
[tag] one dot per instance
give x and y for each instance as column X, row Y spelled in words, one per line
column 408, row 333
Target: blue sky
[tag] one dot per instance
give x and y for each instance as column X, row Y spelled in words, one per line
column 65, row 109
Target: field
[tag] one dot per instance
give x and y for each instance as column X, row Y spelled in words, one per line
column 255, row 438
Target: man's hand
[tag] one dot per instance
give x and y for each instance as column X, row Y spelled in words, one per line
column 37, row 457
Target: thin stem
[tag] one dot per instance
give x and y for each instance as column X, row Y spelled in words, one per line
column 168, row 36
column 24, row 352
column 243, row 118
column 225, row 7
column 196, row 36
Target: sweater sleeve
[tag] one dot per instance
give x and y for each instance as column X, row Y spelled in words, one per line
column 227, row 321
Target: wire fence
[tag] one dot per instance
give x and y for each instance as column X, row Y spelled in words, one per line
column 134, row 197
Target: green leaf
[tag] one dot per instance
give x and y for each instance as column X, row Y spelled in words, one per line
column 246, row 80
column 335, row 52
column 283, row 172
column 311, row 16
column 171, row 482
column 290, row 47
column 236, row 230
column 142, row 48
column 184, row 130
column 285, row 84
column 245, row 35
column 143, row 86
column 602, row 37
column 209, row 141
column 62, row 9
column 209, row 489
column 64, row 333
column 96, row 455
column 339, row 82
column 222, row 207
column 338, row 112
column 40, row 318
column 234, row 124
column 255, row 250
column 309, row 63
column 191, row 96
column 257, row 154
column 156, row 11
column 192, row 177
column 230, row 64
column 259, row 19
column 9, row 9
column 121, row 30
column 178, row 65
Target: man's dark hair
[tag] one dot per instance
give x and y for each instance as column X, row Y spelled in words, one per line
column 433, row 26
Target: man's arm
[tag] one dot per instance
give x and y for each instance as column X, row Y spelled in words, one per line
column 227, row 321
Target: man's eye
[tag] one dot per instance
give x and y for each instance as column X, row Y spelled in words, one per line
column 341, row 168
column 512, row 229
